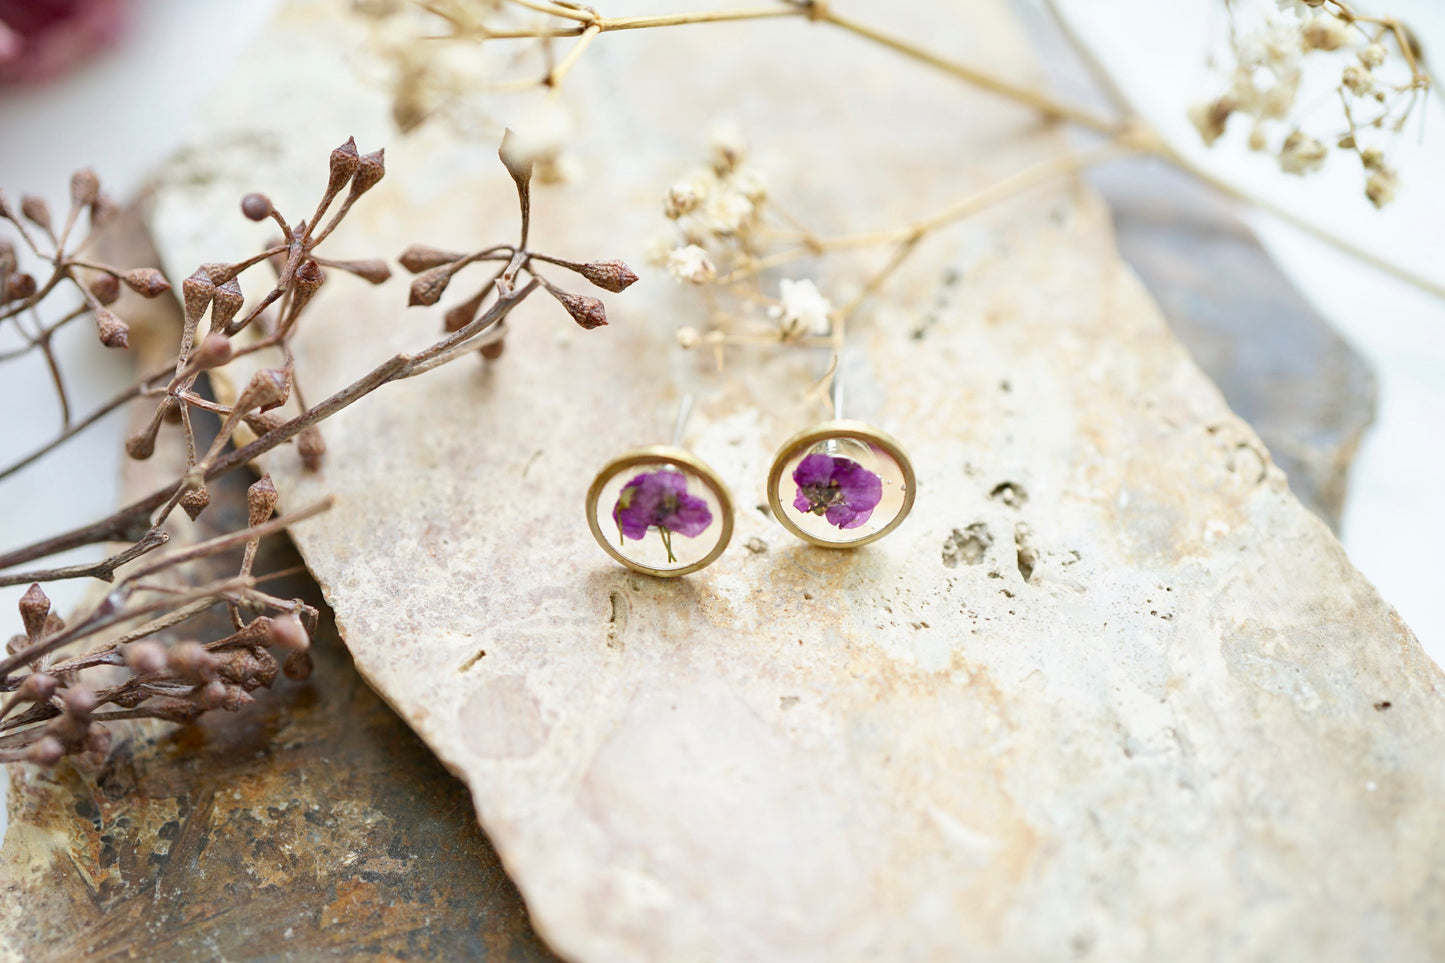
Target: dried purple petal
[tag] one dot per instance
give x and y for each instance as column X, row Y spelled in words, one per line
column 839, row 489
column 659, row 499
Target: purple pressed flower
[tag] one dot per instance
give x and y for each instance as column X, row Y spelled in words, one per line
column 839, row 489
column 659, row 499
column 40, row 39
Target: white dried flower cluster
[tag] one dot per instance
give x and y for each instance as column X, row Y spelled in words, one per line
column 801, row 309
column 1265, row 87
column 719, row 201
column 721, row 231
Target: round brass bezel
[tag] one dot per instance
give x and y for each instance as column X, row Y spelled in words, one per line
column 841, row 429
column 661, row 455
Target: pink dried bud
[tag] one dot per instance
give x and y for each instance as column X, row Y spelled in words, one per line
column 268, row 388
column 311, row 446
column 263, row 422
column 21, row 285
column 344, row 162
column 97, row 742
column 287, row 632
column 191, row 662
column 103, row 211
column 517, row 162
column 613, row 276
column 212, row 695
column 34, row 607
column 113, row 331
column 429, row 286
column 297, row 666
column 256, row 207
column 38, row 687
column 146, row 657
column 105, row 288
column 45, row 751
column 419, row 257
column 235, row 699
column 197, row 291
column 78, row 703
column 369, row 172
column 214, row 350
column 195, row 501
column 84, row 187
column 147, row 282
column 587, row 312
column 372, row 269
column 36, row 211
column 175, row 710
column 261, row 499
column 225, row 303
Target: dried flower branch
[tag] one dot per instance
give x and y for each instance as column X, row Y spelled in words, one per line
column 55, row 707
column 1382, row 80
column 424, row 41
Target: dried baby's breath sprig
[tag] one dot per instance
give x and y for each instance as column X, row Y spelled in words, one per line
column 434, row 268
column 1382, row 80
column 735, row 261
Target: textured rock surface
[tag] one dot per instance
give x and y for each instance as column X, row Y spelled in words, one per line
column 1281, row 367
column 1143, row 708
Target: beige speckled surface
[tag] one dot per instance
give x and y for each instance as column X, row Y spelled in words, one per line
column 1147, row 711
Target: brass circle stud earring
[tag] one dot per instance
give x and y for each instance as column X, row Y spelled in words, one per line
column 841, row 484
column 661, row 510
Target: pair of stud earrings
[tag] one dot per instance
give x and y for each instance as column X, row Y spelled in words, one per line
column 662, row 511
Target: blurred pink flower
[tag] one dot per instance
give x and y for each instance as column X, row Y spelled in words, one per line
column 42, row 39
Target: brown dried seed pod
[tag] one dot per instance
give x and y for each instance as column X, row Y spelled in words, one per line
column 614, row 276
column 256, row 207
column 419, row 257
column 84, row 187
column 587, row 312
column 213, row 351
column 261, row 500
column 147, row 282
column 267, row 389
column 369, row 172
column 97, row 742
column 34, row 608
column 142, row 443
column 344, row 162
column 428, row 287
column 460, row 316
column 195, row 501
column 36, row 211
column 226, row 302
column 102, row 211
column 372, row 269
column 311, row 446
column 262, row 422
column 113, row 331
column 105, row 289
column 492, row 350
column 21, row 285
column 297, row 665
column 197, row 291
column 305, row 283
column 175, row 710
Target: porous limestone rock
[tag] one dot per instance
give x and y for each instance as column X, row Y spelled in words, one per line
column 1110, row 692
